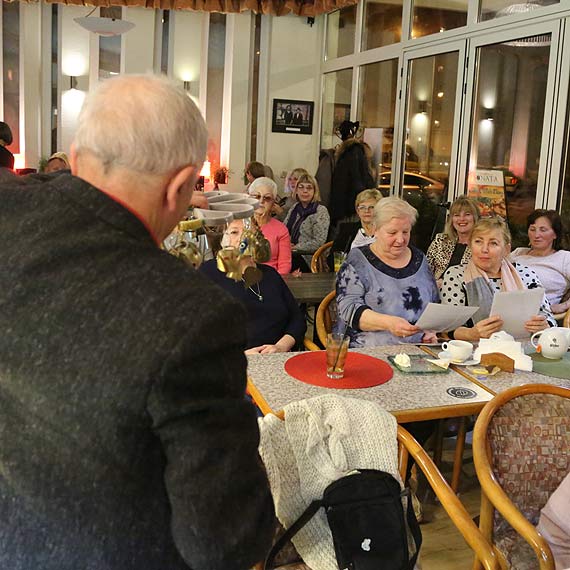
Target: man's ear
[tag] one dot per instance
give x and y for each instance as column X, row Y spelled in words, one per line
column 177, row 184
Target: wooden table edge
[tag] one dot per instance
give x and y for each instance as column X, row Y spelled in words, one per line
column 462, row 372
column 402, row 416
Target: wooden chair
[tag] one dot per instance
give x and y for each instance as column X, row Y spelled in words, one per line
column 319, row 262
column 521, row 450
column 324, row 320
column 326, row 317
column 408, row 446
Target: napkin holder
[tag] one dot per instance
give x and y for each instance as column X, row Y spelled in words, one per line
column 504, row 344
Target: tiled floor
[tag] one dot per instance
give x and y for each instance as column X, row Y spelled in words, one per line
column 443, row 546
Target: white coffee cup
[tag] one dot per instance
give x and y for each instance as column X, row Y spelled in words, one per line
column 458, row 349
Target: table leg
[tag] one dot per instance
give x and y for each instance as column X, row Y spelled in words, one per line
column 458, row 458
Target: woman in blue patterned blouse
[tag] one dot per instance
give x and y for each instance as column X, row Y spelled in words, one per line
column 383, row 288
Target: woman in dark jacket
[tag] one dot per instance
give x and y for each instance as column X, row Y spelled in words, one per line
column 274, row 321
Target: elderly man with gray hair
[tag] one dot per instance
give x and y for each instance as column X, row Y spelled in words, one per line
column 127, row 443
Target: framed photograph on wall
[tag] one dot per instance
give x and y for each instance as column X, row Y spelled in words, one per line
column 292, row 116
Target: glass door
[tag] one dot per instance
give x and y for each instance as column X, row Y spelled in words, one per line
column 511, row 100
column 428, row 144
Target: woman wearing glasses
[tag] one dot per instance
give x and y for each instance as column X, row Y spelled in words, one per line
column 276, row 233
column 357, row 234
column 308, row 222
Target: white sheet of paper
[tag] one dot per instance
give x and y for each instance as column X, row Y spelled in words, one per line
column 441, row 318
column 517, row 307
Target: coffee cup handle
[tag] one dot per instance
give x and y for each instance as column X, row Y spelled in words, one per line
column 444, row 346
column 532, row 339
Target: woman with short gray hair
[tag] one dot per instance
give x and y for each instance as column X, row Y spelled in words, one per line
column 383, row 288
column 275, row 232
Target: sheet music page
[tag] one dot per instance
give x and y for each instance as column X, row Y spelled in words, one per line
column 517, row 307
column 441, row 318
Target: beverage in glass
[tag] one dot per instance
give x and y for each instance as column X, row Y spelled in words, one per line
column 337, row 347
column 339, row 257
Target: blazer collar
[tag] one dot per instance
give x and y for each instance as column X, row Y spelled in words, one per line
column 104, row 206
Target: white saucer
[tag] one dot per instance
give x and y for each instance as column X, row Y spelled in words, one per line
column 445, row 355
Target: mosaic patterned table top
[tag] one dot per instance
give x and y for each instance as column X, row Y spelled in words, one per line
column 402, row 392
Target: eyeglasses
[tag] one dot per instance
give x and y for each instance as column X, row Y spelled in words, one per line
column 365, row 208
column 261, row 198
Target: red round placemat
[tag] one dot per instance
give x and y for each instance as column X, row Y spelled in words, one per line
column 360, row 370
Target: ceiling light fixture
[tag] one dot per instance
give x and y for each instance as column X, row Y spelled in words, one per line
column 104, row 26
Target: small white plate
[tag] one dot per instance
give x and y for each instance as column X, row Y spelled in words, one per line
column 444, row 354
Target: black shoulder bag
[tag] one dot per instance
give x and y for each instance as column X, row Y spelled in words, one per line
column 370, row 529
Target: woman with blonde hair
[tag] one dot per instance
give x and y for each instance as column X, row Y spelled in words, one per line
column 383, row 288
column 282, row 206
column 308, row 222
column 452, row 246
column 57, row 161
column 488, row 272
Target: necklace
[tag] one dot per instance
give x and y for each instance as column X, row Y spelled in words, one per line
column 256, row 293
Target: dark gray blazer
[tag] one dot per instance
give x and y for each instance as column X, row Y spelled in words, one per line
column 125, row 439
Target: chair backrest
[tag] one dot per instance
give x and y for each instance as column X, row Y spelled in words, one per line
column 408, row 446
column 319, row 260
column 521, row 450
column 326, row 317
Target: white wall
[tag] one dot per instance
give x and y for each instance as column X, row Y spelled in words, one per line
column 75, row 51
column 289, row 68
column 293, row 72
column 236, row 120
column 30, row 88
column 137, row 48
column 186, row 48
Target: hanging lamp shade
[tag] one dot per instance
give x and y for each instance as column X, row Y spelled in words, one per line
column 540, row 40
column 104, row 26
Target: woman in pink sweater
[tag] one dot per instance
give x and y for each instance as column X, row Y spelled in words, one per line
column 265, row 190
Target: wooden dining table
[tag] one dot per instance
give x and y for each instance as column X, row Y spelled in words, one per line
column 410, row 397
column 310, row 288
column 504, row 380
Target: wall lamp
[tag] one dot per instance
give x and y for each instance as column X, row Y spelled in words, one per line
column 72, row 82
column 488, row 114
column 422, row 107
column 192, row 87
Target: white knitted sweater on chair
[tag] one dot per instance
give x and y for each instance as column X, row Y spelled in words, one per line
column 321, row 440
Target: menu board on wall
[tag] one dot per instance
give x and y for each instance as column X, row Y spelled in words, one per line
column 487, row 188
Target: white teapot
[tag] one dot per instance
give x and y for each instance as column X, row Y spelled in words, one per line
column 553, row 342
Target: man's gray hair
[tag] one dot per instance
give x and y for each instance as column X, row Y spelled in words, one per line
column 263, row 182
column 143, row 123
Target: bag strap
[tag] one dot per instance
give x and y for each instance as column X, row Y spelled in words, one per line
column 309, row 513
column 291, row 532
column 414, row 527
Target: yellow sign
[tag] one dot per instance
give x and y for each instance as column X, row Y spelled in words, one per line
column 487, row 188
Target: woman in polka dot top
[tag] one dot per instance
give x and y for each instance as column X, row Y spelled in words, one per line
column 488, row 272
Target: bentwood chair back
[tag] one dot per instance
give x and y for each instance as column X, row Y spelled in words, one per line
column 326, row 317
column 319, row 262
column 408, row 446
column 521, row 451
